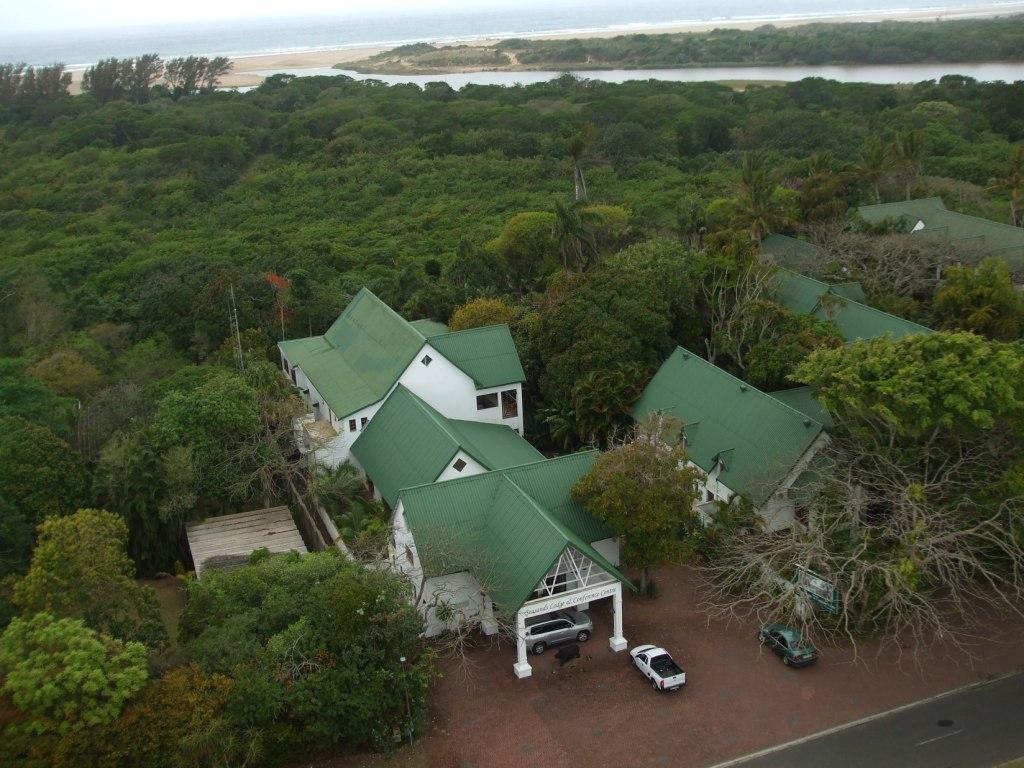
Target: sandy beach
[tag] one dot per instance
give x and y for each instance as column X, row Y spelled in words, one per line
column 247, row 67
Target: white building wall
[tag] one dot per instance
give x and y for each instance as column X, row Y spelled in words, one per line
column 473, row 467
column 448, row 389
column 441, row 384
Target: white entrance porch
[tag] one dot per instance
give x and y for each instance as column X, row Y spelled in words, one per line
column 574, row 582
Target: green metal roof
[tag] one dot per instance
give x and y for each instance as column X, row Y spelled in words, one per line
column 408, row 443
column 758, row 438
column 950, row 226
column 499, row 526
column 429, row 327
column 803, row 295
column 785, row 248
column 488, row 355
column 802, row 399
column 360, row 357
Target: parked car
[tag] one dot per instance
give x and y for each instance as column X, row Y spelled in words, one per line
column 789, row 644
column 554, row 628
column 658, row 666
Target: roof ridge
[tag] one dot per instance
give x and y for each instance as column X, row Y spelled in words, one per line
column 984, row 219
column 747, row 387
column 472, row 330
column 904, row 202
column 497, row 472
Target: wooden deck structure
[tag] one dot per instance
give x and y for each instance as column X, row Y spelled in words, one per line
column 228, row 540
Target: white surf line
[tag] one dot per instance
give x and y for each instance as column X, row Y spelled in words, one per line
column 854, row 723
column 939, row 738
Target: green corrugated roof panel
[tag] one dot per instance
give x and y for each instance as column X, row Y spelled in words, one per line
column 803, row 295
column 429, row 327
column 493, row 526
column 488, row 355
column 784, row 247
column 996, row 237
column 802, row 399
column 360, row 357
column 409, row 443
column 758, row 438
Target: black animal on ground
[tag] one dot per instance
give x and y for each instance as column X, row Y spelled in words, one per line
column 567, row 653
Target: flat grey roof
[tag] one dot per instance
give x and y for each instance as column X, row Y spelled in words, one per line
column 228, row 540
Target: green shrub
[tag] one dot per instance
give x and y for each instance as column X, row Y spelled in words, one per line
column 63, row 676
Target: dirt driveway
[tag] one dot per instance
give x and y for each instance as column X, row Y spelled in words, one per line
column 598, row 712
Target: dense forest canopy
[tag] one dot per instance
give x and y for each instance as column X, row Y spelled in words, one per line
column 888, row 42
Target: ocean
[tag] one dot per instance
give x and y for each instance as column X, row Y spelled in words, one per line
column 81, row 48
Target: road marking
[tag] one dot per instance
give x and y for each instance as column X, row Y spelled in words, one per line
column 854, row 723
column 943, row 736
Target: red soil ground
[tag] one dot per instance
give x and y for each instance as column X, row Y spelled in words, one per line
column 598, row 711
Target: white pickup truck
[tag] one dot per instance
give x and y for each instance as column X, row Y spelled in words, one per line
column 657, row 666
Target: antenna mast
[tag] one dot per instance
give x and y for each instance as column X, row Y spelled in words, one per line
column 239, row 357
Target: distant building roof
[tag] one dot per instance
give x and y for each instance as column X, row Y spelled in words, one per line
column 939, row 222
column 360, row 357
column 757, row 438
column 429, row 327
column 783, row 248
column 837, row 302
column 802, row 399
column 228, row 540
column 408, row 443
column 507, row 527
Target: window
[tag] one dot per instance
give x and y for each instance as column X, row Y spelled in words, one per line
column 709, row 496
column 362, row 421
column 294, row 380
column 351, row 425
column 427, row 360
column 459, row 465
column 509, row 404
column 408, row 555
column 483, row 402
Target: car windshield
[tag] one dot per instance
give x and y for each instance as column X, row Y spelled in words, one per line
column 665, row 666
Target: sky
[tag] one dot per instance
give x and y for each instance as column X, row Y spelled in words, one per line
column 42, row 15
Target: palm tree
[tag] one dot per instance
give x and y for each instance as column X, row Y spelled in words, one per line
column 579, row 145
column 909, row 150
column 1012, row 182
column 573, row 231
column 873, row 164
column 756, row 206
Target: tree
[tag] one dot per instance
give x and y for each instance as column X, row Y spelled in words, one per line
column 189, row 75
column 527, row 245
column 873, row 165
column 317, row 642
column 481, row 312
column 644, row 490
column 63, row 676
column 758, row 208
column 112, row 79
column 21, row 395
column 913, row 507
column 1012, row 182
column 68, row 373
column 909, row 150
column 980, row 299
column 80, row 570
column 579, row 146
column 39, row 473
column 572, row 230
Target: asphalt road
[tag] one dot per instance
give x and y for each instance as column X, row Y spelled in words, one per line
column 978, row 727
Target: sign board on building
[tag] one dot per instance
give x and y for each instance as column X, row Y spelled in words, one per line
column 822, row 591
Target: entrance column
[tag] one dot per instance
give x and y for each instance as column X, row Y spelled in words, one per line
column 617, row 642
column 522, row 667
